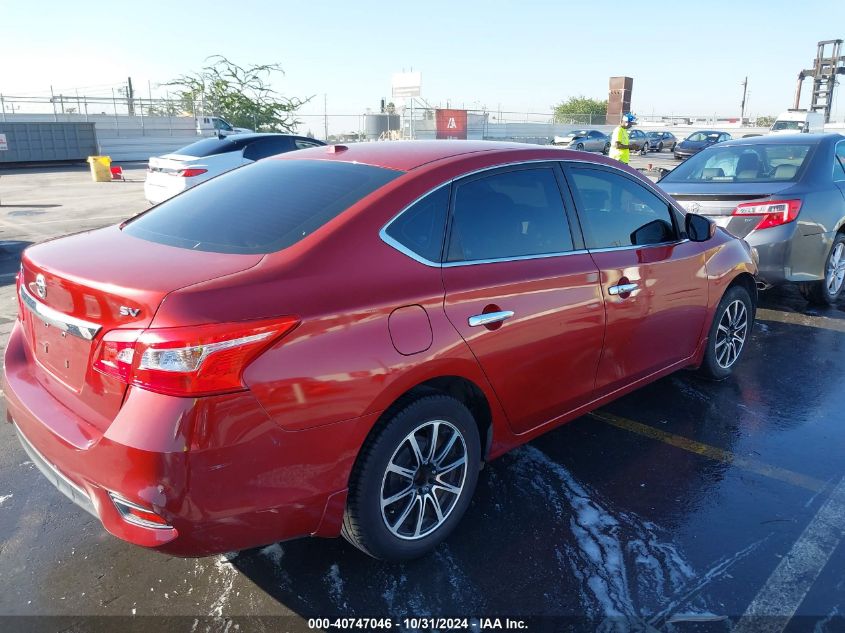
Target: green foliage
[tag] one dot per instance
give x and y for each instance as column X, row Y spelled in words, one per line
column 241, row 95
column 765, row 121
column 580, row 109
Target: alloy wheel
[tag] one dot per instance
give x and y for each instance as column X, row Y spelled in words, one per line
column 731, row 333
column 835, row 274
column 424, row 480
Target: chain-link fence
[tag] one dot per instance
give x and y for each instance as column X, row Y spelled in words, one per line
column 119, row 116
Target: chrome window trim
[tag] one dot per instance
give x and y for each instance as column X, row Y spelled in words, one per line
column 82, row 329
column 607, row 249
column 516, row 258
column 409, row 253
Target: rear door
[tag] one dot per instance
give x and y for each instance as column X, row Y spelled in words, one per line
column 522, row 291
column 654, row 282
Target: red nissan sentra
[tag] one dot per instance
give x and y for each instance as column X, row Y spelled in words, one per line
column 333, row 341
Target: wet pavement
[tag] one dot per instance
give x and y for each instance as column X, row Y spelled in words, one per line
column 680, row 507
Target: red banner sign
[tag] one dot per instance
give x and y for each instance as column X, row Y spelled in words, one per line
column 451, row 123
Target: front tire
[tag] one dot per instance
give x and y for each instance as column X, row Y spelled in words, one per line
column 660, row 147
column 413, row 480
column 580, row 147
column 644, row 150
column 606, row 149
column 827, row 291
column 729, row 334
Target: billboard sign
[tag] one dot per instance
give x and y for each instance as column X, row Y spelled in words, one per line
column 451, row 124
column 406, row 85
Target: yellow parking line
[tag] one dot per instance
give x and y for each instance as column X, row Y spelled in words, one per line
column 705, row 450
column 794, row 318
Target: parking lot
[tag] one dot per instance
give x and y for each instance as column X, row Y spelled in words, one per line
column 687, row 505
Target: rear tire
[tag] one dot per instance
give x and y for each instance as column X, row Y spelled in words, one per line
column 729, row 333
column 606, row 149
column 827, row 291
column 430, row 483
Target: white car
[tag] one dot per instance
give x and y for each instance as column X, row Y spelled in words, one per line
column 195, row 163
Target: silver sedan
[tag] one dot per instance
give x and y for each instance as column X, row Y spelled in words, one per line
column 584, row 140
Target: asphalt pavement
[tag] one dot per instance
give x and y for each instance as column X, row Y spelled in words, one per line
column 686, row 506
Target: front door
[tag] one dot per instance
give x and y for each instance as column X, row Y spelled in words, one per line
column 654, row 283
column 522, row 291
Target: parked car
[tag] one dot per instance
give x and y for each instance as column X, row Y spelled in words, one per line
column 785, row 195
column 584, row 140
column 638, row 141
column 697, row 141
column 324, row 342
column 658, row 140
column 195, row 163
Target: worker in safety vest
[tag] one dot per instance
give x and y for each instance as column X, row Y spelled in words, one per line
column 619, row 147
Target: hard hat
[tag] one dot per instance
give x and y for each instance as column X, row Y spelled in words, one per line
column 630, row 118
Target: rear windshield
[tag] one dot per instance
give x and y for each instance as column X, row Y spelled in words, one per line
column 207, row 147
column 744, row 163
column 260, row 208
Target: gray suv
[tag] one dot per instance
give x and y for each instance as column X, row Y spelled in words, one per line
column 785, row 195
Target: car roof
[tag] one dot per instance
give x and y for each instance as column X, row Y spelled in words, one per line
column 405, row 155
column 784, row 139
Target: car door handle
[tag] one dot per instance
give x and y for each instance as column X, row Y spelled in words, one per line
column 622, row 289
column 489, row 317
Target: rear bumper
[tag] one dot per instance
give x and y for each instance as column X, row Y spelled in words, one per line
column 217, row 470
column 159, row 187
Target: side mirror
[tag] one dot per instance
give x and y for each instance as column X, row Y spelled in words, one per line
column 698, row 228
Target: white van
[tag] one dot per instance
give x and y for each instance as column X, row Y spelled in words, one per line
column 798, row 121
column 217, row 125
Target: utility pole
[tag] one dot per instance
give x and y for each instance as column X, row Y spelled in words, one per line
column 326, row 116
column 130, row 97
column 744, row 93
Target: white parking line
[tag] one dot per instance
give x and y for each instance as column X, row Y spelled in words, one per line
column 784, row 591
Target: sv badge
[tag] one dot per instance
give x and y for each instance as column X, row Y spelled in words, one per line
column 126, row 311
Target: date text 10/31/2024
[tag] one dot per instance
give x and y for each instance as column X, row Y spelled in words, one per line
column 418, row 624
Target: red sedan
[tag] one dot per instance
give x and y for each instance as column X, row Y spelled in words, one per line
column 333, row 341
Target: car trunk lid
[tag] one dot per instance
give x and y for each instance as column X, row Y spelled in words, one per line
column 75, row 290
column 172, row 164
column 717, row 201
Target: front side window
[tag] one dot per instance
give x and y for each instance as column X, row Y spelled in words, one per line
column 420, row 228
column 509, row 214
column 260, row 208
column 616, row 211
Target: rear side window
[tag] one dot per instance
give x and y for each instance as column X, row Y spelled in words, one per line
column 615, row 211
column 421, row 226
column 260, row 208
column 267, row 146
column 302, row 143
column 208, row 147
column 510, row 214
column 839, row 167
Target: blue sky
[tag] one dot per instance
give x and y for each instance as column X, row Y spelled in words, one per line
column 685, row 57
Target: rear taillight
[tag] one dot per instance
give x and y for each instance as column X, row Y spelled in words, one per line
column 188, row 361
column 772, row 212
column 191, row 172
